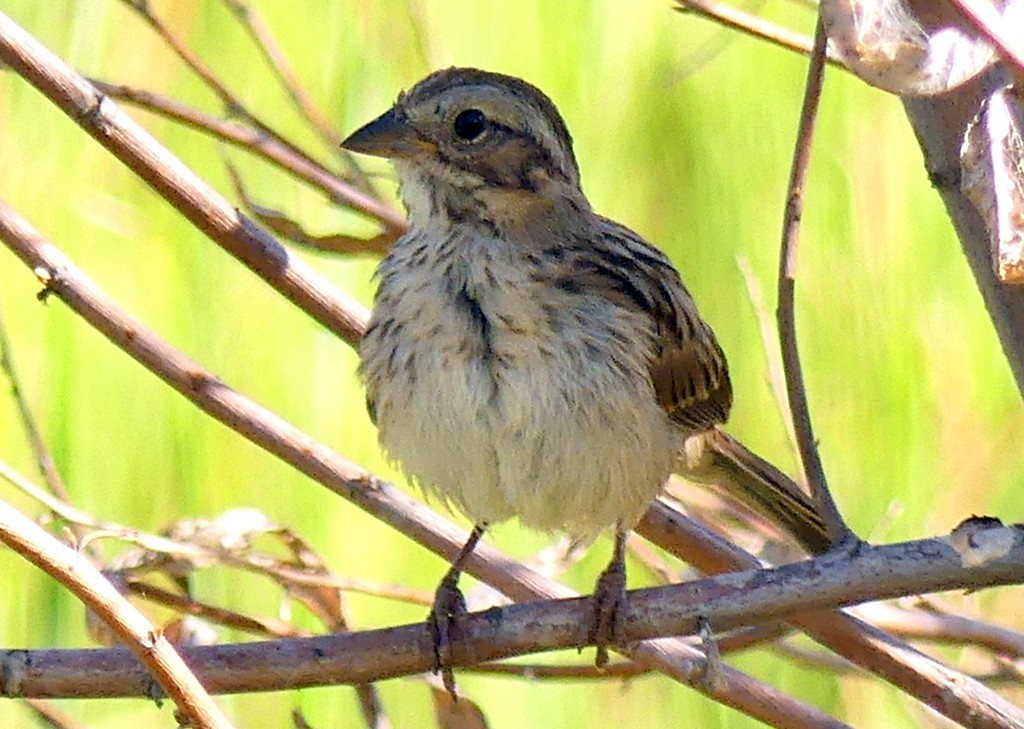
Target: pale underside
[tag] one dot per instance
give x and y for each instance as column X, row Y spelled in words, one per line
column 498, row 418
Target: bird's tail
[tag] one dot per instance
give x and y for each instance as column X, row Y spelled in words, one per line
column 716, row 457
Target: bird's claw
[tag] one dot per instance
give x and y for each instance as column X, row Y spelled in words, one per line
column 442, row 624
column 608, row 604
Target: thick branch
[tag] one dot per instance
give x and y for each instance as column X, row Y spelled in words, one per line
column 995, row 555
column 940, row 123
column 177, row 184
column 949, row 692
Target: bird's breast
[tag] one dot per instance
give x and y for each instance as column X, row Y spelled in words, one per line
column 509, row 397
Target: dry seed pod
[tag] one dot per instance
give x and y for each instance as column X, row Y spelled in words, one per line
column 910, row 47
column 992, row 178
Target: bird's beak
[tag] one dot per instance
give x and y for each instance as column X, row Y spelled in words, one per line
column 389, row 135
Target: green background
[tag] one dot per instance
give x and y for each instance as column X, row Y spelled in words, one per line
column 683, row 131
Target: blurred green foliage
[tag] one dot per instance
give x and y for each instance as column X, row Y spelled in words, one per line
column 683, row 131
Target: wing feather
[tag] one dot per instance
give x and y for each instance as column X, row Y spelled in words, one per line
column 688, row 368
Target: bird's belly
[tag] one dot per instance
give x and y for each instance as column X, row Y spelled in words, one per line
column 550, row 435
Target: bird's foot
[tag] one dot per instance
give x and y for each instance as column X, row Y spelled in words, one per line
column 442, row 624
column 608, row 606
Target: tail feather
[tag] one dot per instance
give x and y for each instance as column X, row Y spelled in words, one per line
column 716, row 457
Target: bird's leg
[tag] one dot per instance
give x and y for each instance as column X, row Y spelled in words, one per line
column 609, row 600
column 449, row 605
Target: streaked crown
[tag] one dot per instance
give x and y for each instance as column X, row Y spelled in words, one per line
column 491, row 129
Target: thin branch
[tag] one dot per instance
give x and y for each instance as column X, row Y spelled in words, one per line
column 769, row 338
column 35, row 438
column 786, row 314
column 751, row 25
column 232, row 103
column 996, row 555
column 277, row 60
column 75, row 572
column 177, row 184
column 52, row 716
column 266, row 627
column 251, row 140
column 286, row 227
column 943, row 628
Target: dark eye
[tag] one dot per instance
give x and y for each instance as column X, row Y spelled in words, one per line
column 470, row 124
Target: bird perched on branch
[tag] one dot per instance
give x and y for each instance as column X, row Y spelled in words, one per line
column 528, row 357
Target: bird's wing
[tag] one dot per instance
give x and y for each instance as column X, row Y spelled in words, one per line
column 688, row 368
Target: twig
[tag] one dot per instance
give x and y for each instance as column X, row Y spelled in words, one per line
column 278, row 62
column 730, row 17
column 52, row 716
column 255, row 142
column 754, row 636
column 786, row 314
column 776, row 376
column 72, row 570
column 284, row 226
column 816, row 659
column 267, row 627
column 277, row 59
column 43, row 458
column 942, row 628
column 231, row 102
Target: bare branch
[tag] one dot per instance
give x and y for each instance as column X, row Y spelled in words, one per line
column 786, row 313
column 278, row 62
column 769, row 338
column 35, row 437
column 285, row 227
column 232, row 103
column 730, row 17
column 255, row 142
column 177, row 184
column 744, row 598
column 75, row 572
column 949, row 692
column 52, row 716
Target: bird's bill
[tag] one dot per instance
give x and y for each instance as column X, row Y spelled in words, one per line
column 387, row 136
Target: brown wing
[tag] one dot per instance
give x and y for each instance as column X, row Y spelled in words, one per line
column 688, row 370
column 691, row 379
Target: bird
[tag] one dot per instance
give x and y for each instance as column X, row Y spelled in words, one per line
column 529, row 358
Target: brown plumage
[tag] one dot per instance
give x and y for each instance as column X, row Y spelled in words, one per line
column 528, row 357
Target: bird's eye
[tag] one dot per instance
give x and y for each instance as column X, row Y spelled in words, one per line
column 470, row 124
